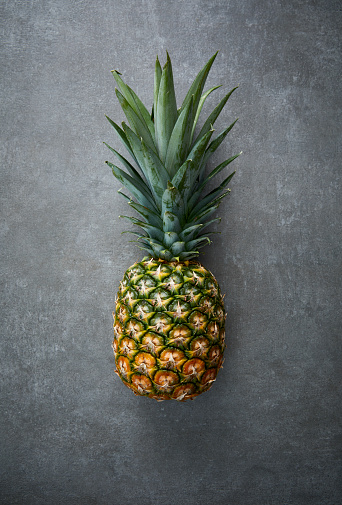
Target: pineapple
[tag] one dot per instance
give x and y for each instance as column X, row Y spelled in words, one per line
column 169, row 320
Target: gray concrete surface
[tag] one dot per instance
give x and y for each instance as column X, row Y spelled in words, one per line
column 269, row 432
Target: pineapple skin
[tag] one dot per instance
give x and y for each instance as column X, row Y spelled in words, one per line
column 169, row 329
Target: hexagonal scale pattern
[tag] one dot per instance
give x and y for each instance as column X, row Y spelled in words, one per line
column 169, row 334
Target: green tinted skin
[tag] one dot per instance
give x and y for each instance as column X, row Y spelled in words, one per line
column 168, row 329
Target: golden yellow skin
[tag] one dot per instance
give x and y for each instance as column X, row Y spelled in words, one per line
column 168, row 329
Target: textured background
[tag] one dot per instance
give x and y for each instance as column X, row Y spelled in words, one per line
column 269, row 431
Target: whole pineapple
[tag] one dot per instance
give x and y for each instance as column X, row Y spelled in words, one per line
column 169, row 318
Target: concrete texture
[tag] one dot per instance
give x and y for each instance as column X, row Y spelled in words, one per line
column 269, row 431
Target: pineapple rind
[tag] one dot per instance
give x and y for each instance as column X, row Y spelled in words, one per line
column 168, row 329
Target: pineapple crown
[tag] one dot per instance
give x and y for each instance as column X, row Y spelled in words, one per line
column 168, row 179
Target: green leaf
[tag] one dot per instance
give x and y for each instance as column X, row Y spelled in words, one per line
column 156, row 247
column 212, row 148
column 198, row 243
column 197, row 194
column 209, row 197
column 191, row 232
column 187, row 174
column 173, row 202
column 208, row 223
column 151, row 166
column 180, row 141
column 136, row 233
column 135, row 102
column 171, row 222
column 157, row 78
column 170, row 237
column 204, row 215
column 208, row 201
column 200, row 227
column 126, row 92
column 166, row 255
column 197, row 86
column 200, row 105
column 144, row 114
column 152, row 231
column 215, row 144
column 126, row 163
column 150, row 216
column 214, row 115
column 138, row 126
column 138, row 190
column 157, row 173
column 188, row 255
column 183, row 176
column 125, row 196
column 165, row 116
column 123, row 137
column 177, row 248
column 148, row 249
column 218, row 169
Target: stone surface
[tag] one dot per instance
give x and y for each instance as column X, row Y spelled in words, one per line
column 269, row 431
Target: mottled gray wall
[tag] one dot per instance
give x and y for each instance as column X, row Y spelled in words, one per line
column 269, row 431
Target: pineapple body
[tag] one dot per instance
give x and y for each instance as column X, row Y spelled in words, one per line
column 169, row 318
column 168, row 329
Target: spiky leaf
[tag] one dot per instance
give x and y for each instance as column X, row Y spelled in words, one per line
column 200, row 106
column 173, row 202
column 214, row 115
column 151, row 217
column 138, row 126
column 166, row 112
column 197, row 86
column 134, row 101
column 157, row 78
column 179, row 143
column 138, row 190
column 126, row 163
